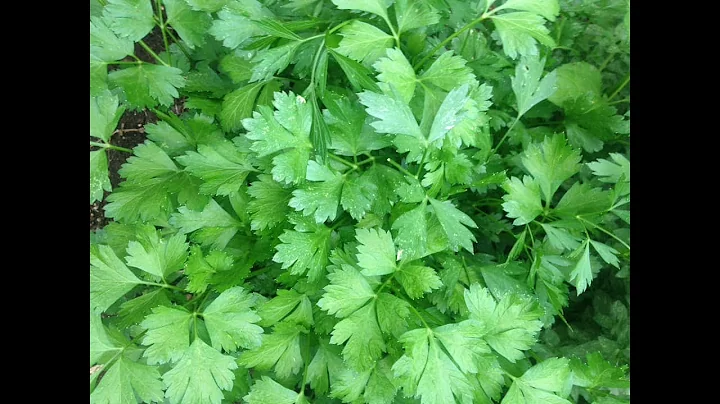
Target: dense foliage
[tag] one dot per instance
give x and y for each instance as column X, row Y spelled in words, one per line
column 362, row 201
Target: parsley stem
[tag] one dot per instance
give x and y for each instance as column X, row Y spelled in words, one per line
column 337, row 27
column 417, row 313
column 342, row 160
column 579, row 217
column 624, row 83
column 109, row 146
column 619, row 101
column 420, row 166
column 505, row 135
column 163, row 285
column 163, row 29
column 448, row 39
column 399, row 167
column 606, row 61
column 177, row 42
column 152, row 53
column 120, row 62
column 394, row 33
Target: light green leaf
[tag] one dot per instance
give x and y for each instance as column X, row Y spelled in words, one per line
column 393, row 114
column 347, row 292
column 412, row 232
column 392, row 313
column 320, row 197
column 192, row 26
column 411, row 14
column 611, row 171
column 551, row 163
column 269, row 206
column 238, row 105
column 511, row 324
column 357, row 74
column 200, row 376
column 395, row 70
column 158, row 256
column 378, row 7
column 519, row 31
column 276, row 28
column 230, row 321
column 539, row 383
column 304, row 251
column 278, row 308
column 236, row 66
column 582, row 274
column 268, row 391
column 100, row 344
column 281, row 350
column 527, row 86
column 580, row 199
column 376, row 252
column 105, row 45
column 455, row 225
column 134, row 311
column 221, row 165
column 99, row 179
column 168, row 334
column 104, row 115
column 273, row 60
column 358, row 194
column 132, row 19
column 126, row 381
column 607, row 253
column 418, row 280
column 148, row 85
column 110, row 279
column 214, row 226
column 363, row 339
column 363, row 42
column 210, row 6
column 449, row 114
column 448, row 72
column 559, row 237
column 233, row 28
column 575, row 80
column 546, row 8
column 373, row 385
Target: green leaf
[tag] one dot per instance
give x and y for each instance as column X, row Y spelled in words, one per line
column 279, row 308
column 104, row 115
column 455, row 224
column 276, row 28
column 221, row 165
column 214, row 226
column 357, row 74
column 105, row 45
column 611, row 171
column 158, row 256
column 200, row 270
column 511, row 324
column 200, row 376
column 607, row 253
column 539, row 383
column 132, row 19
column 280, row 350
column 575, row 80
column 133, row 311
column 99, row 175
column 169, row 139
column 126, row 381
column 147, row 85
column 358, row 195
column 581, row 273
column 287, row 130
column 100, row 344
column 320, row 197
column 192, row 26
column 378, row 7
column 412, row 231
column 559, row 237
column 347, row 292
column 363, row 339
column 230, row 321
column 519, row 32
column 110, row 279
column 268, row 391
column 546, row 8
column 210, row 6
column 376, row 252
column 273, row 60
column 527, row 86
column 236, row 66
column 582, row 199
column 363, row 42
column 304, row 251
column 238, row 105
column 598, row 373
column 551, row 163
column 395, row 70
column 411, row 14
column 269, row 206
column 438, row 363
column 168, row 334
column 394, row 115
column 233, row 28
column 325, row 367
column 448, row 72
column 449, row 114
column 417, row 280
column 374, row 385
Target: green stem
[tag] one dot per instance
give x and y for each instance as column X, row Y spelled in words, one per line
column 109, row 146
column 342, row 160
column 619, row 101
column 624, row 83
column 394, row 33
column 606, row 61
column 417, row 313
column 505, row 135
column 182, row 47
column 310, row 38
column 152, row 53
column 619, row 240
column 163, row 29
column 399, row 167
column 422, row 161
column 448, row 39
column 307, row 363
column 163, row 285
column 337, row 27
column 137, row 62
column 387, row 282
